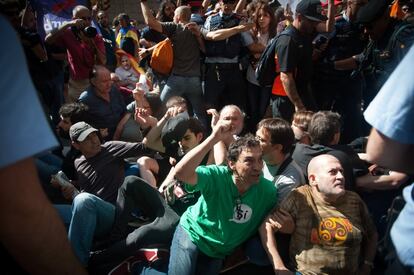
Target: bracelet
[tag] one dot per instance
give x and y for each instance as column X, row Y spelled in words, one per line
column 369, row 263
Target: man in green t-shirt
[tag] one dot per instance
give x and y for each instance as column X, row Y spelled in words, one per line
column 234, row 201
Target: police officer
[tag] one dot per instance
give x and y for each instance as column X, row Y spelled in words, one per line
column 335, row 89
column 389, row 41
column 224, row 81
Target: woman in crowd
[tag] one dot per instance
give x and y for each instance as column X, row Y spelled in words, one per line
column 263, row 32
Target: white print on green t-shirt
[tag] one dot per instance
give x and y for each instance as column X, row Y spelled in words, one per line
column 242, row 213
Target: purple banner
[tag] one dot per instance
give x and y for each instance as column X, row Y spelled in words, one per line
column 52, row 13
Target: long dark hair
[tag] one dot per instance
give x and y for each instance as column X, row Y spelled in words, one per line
column 161, row 16
column 264, row 7
column 155, row 104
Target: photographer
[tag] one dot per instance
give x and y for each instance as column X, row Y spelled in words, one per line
column 84, row 47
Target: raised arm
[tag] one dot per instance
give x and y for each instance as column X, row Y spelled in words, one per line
column 150, row 20
column 153, row 138
column 54, row 34
column 241, row 4
column 185, row 169
column 328, row 25
column 222, row 34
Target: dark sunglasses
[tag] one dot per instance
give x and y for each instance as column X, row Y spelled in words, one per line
column 88, row 18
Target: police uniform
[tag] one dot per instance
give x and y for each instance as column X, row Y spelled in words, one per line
column 224, row 81
column 339, row 90
column 381, row 57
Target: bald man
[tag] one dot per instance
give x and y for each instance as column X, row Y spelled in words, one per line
column 83, row 51
column 333, row 232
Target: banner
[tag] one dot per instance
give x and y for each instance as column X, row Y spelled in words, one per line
column 52, row 13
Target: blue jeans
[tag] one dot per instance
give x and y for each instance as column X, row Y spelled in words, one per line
column 187, row 259
column 88, row 217
column 189, row 87
column 255, row 252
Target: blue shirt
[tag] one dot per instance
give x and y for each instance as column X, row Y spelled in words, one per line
column 25, row 129
column 391, row 113
column 392, row 110
column 104, row 114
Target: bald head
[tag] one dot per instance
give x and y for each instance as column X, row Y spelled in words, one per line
column 79, row 10
column 319, row 161
column 326, row 176
column 183, row 13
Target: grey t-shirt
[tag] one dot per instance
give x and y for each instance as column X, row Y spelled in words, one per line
column 291, row 177
column 103, row 174
column 186, row 49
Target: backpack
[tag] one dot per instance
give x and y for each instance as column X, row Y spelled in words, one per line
column 266, row 66
column 162, row 57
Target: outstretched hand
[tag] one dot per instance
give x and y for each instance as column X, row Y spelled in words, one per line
column 173, row 111
column 282, row 221
column 144, row 119
column 222, row 130
column 194, row 28
column 215, row 116
column 246, row 26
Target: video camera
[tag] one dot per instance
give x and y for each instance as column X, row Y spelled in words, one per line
column 88, row 31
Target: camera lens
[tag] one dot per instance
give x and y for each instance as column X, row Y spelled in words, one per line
column 90, row 32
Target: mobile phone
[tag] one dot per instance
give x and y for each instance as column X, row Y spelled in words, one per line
column 62, row 179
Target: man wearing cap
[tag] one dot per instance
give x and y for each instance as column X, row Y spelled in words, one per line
column 100, row 173
column 175, row 134
column 294, row 60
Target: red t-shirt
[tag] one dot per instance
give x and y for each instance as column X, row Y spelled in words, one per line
column 81, row 56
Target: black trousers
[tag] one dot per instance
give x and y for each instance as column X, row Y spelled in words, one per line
column 136, row 193
column 224, row 84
